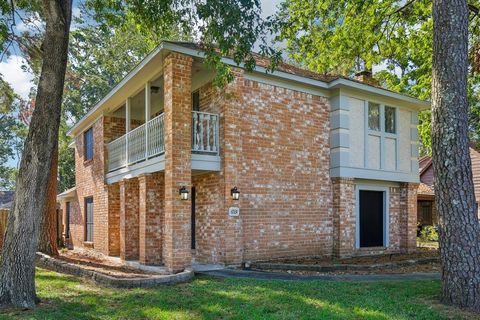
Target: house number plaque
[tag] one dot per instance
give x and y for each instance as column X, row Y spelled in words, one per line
column 233, row 211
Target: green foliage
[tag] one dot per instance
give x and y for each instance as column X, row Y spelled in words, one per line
column 117, row 34
column 347, row 36
column 227, row 27
column 12, row 134
column 428, row 233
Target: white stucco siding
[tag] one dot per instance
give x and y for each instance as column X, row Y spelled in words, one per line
column 357, row 132
column 373, row 152
column 377, row 153
column 404, row 124
column 390, row 154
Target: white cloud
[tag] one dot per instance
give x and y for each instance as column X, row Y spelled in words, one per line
column 12, row 72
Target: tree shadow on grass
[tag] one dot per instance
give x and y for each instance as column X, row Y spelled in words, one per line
column 208, row 298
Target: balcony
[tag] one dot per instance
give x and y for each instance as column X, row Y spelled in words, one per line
column 142, row 149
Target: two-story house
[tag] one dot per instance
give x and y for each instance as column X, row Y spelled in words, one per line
column 170, row 169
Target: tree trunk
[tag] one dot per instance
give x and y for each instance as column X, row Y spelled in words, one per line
column 455, row 199
column 17, row 275
column 48, row 226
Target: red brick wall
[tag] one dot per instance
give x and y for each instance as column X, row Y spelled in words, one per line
column 210, row 218
column 285, row 188
column 344, row 217
column 89, row 176
column 402, row 213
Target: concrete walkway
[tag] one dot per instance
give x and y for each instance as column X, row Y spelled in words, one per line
column 261, row 275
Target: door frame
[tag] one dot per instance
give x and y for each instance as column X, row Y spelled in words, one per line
column 193, row 220
column 386, row 220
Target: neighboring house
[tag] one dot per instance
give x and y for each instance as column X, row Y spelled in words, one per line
column 324, row 165
column 6, row 199
column 427, row 212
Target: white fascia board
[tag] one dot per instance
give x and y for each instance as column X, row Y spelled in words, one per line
column 339, row 83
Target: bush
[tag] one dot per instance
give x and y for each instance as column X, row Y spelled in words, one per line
column 429, row 233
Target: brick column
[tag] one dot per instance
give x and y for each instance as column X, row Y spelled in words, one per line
column 178, row 140
column 343, row 217
column 114, row 219
column 151, row 209
column 129, row 208
column 408, row 216
column 231, row 154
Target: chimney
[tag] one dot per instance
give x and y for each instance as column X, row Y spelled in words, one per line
column 366, row 77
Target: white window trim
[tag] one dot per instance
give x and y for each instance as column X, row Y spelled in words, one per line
column 386, row 213
column 382, row 135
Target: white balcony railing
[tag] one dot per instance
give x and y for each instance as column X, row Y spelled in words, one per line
column 117, row 154
column 205, row 132
column 205, row 128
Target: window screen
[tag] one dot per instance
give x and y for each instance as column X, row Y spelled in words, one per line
column 390, row 121
column 89, row 219
column 88, row 143
column 374, row 116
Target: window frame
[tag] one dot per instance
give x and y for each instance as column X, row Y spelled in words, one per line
column 381, row 134
column 88, row 234
column 382, row 118
column 88, row 145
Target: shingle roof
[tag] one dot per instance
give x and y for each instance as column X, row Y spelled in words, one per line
column 265, row 62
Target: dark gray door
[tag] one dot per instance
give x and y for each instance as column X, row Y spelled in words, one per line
column 371, row 218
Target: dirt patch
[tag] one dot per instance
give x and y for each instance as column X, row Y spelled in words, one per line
column 430, row 267
column 449, row 311
column 98, row 263
column 424, row 260
column 421, row 253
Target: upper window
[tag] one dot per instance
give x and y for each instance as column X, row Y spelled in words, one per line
column 88, row 143
column 390, row 119
column 376, row 117
column 373, row 116
column 196, row 101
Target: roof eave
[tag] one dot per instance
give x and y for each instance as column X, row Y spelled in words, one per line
column 95, row 112
column 418, row 104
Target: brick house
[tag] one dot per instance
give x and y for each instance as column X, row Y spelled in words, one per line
column 324, row 165
column 426, row 210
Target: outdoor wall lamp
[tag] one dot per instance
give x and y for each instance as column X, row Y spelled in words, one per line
column 235, row 193
column 183, row 193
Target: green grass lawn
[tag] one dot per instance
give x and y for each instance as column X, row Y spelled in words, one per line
column 65, row 297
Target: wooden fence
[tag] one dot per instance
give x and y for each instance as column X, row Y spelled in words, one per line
column 3, row 224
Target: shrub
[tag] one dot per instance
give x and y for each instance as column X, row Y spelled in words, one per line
column 429, row 233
